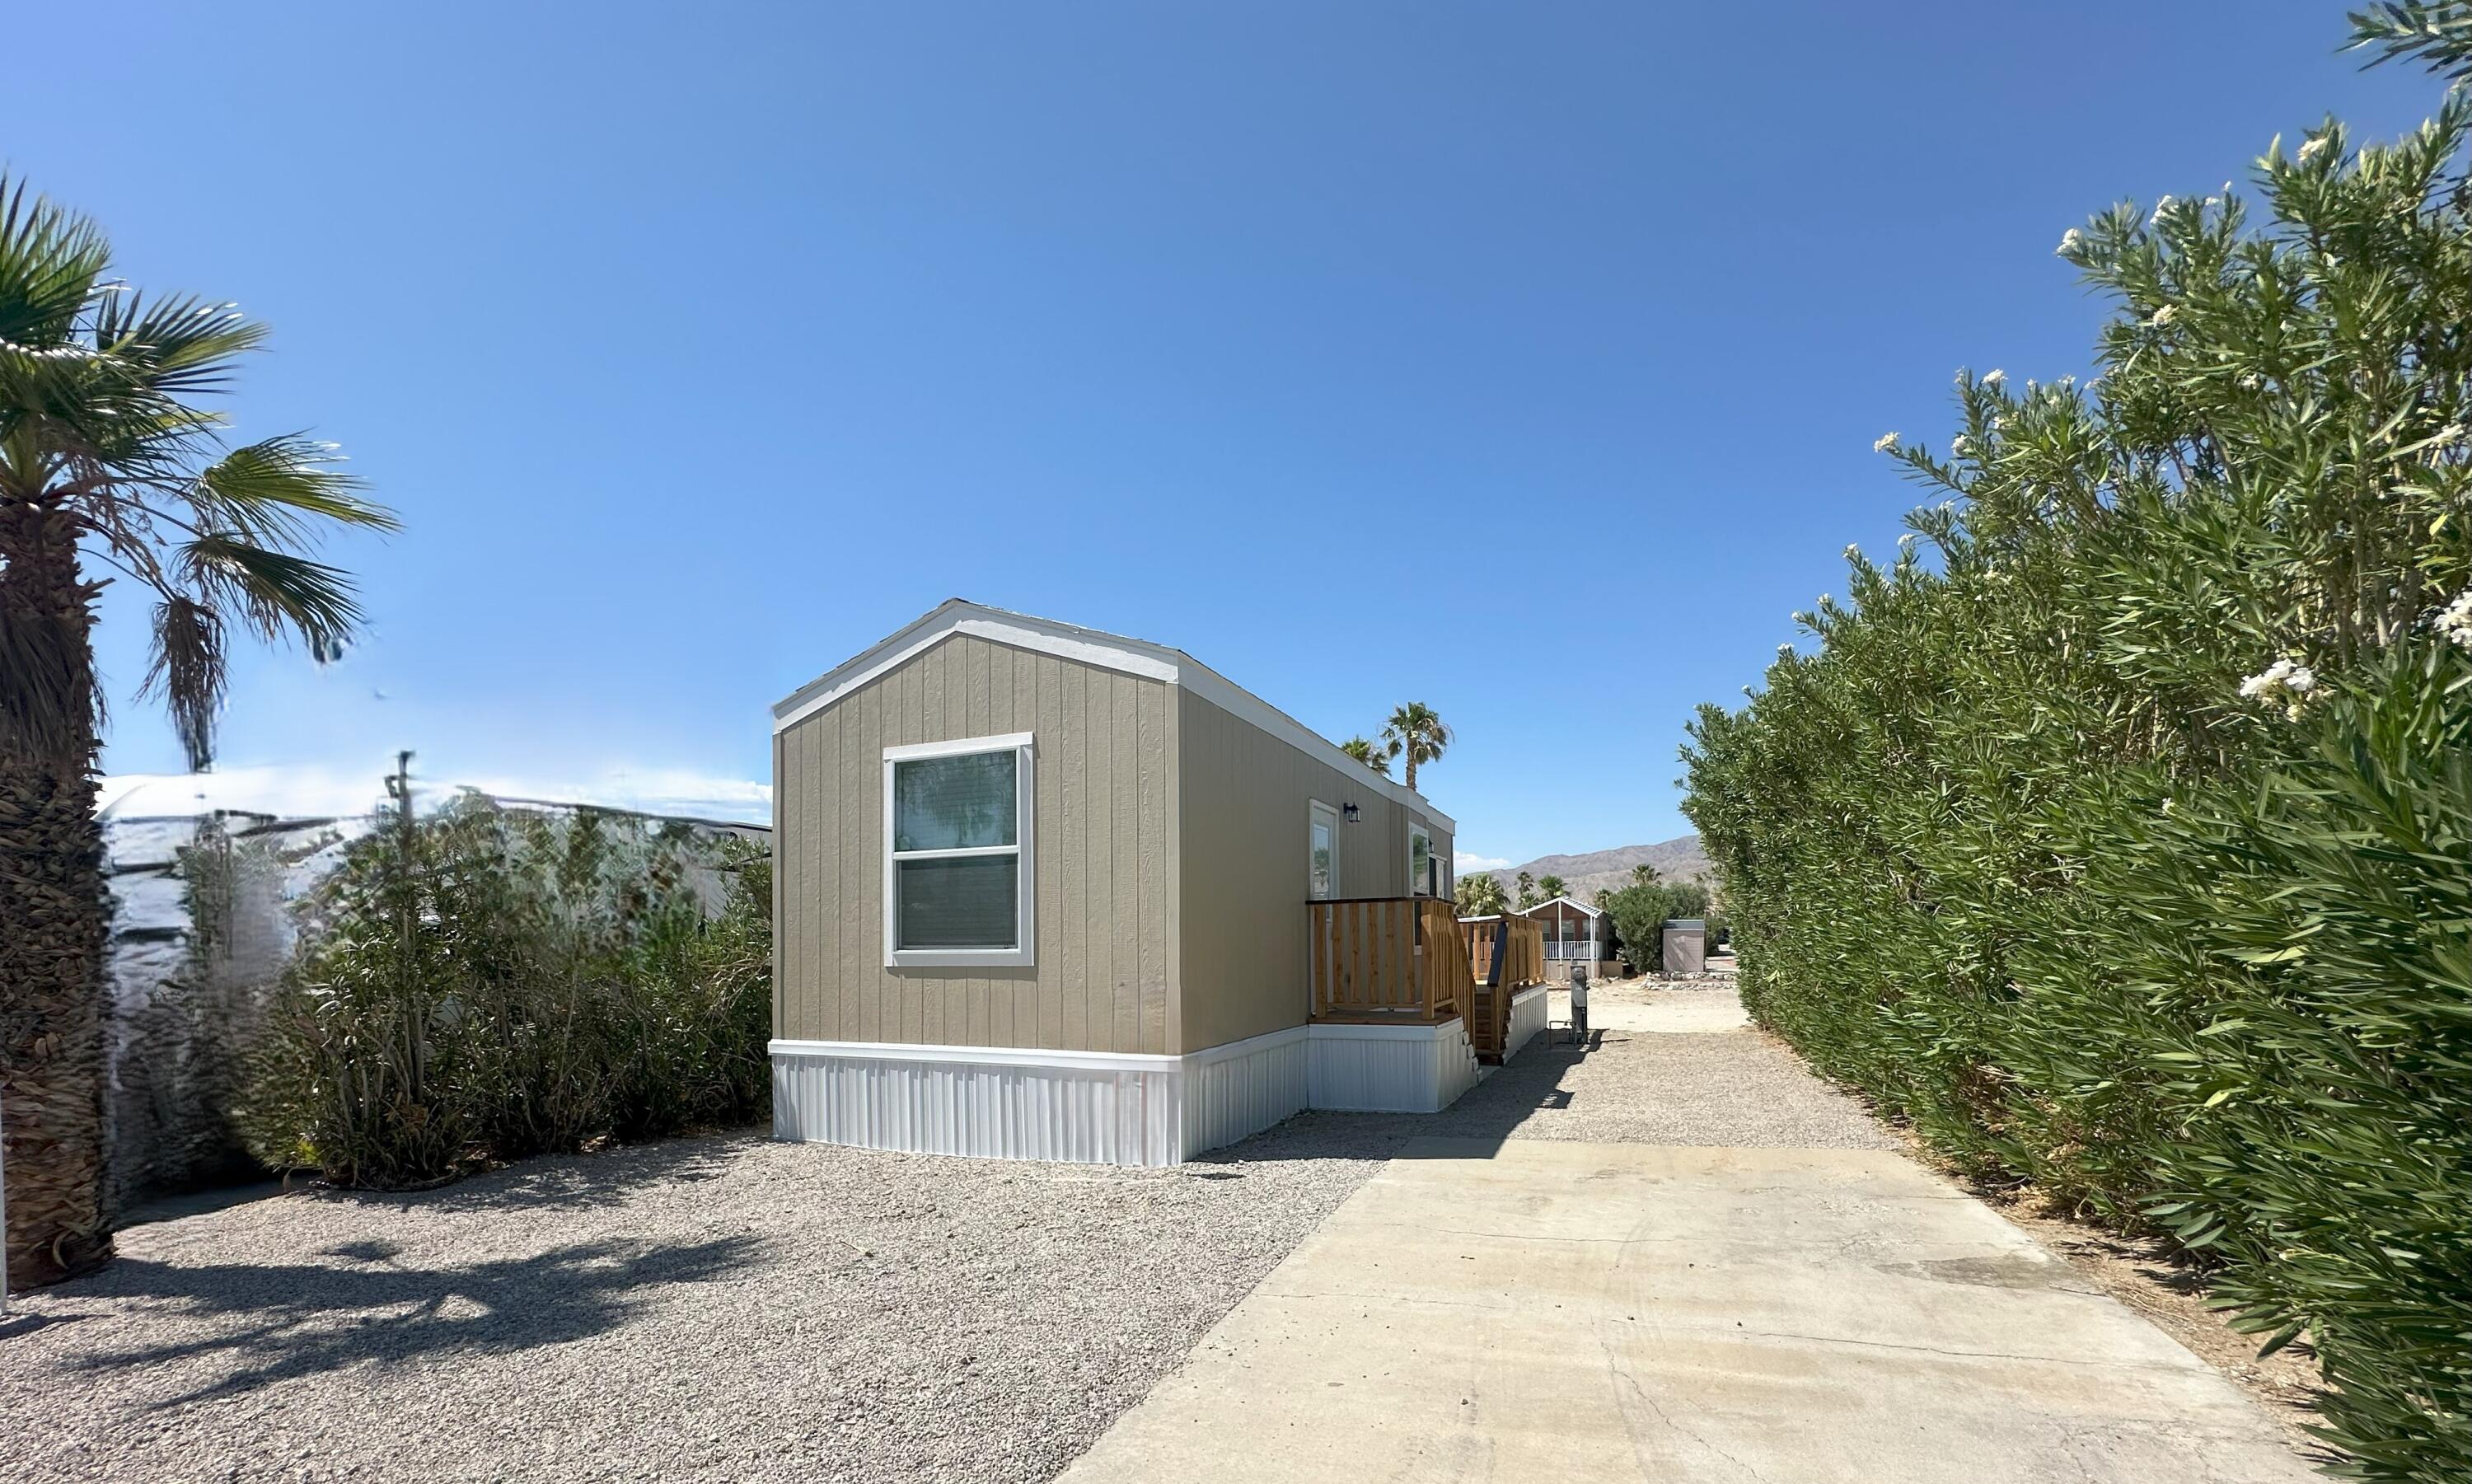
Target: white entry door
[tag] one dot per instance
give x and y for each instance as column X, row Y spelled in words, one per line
column 1321, row 846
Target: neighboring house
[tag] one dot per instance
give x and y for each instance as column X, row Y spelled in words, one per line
column 1042, row 892
column 1575, row 933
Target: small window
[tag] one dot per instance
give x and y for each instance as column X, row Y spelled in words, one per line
column 959, row 884
column 1424, row 880
column 1322, row 851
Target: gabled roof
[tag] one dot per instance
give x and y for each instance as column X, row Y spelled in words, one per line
column 1565, row 901
column 1092, row 647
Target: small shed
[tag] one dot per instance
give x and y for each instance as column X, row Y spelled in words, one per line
column 1686, row 945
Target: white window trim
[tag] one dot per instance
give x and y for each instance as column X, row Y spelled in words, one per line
column 1313, row 809
column 1415, row 827
column 1025, row 904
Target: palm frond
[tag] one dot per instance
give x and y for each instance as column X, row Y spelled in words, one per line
column 188, row 671
column 263, row 490
column 49, row 261
column 180, row 346
column 273, row 592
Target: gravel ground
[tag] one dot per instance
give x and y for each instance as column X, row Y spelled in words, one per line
column 731, row 1308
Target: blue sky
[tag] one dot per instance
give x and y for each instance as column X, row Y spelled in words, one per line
column 1524, row 360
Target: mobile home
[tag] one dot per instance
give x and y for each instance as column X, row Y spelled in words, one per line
column 1047, row 893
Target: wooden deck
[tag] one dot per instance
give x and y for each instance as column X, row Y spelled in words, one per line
column 1393, row 959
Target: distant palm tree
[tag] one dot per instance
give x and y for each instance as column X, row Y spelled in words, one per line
column 1480, row 896
column 1414, row 732
column 1528, row 897
column 1644, row 874
column 1550, row 887
column 105, row 455
column 1366, row 752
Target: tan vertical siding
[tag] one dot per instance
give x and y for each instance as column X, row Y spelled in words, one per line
column 1105, row 801
column 1243, row 815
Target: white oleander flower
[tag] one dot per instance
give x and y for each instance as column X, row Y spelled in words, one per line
column 2310, row 149
column 2250, row 381
column 2266, row 680
column 1960, row 445
column 2287, row 682
column 1886, row 442
column 1852, row 551
column 2160, row 208
column 1994, row 376
column 2455, row 622
column 2070, row 241
column 2163, row 316
column 1784, row 650
column 1906, row 543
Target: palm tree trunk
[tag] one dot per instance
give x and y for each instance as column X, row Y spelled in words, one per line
column 52, row 910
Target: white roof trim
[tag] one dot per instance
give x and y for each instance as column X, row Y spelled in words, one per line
column 1088, row 646
column 1594, row 912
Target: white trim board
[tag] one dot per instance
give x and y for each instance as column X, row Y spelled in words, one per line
column 1561, row 901
column 1089, row 646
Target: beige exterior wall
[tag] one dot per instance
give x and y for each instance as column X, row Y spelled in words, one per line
column 1103, row 848
column 1244, row 801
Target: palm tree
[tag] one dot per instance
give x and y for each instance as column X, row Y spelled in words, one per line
column 1363, row 750
column 105, row 457
column 1480, row 896
column 1416, row 732
column 1528, row 897
column 1550, row 887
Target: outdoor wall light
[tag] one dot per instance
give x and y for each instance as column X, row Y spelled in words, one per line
column 1355, row 813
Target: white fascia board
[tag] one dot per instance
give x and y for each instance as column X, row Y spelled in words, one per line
column 1108, row 650
column 1563, row 902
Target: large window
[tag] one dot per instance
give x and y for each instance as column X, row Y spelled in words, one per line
column 959, row 884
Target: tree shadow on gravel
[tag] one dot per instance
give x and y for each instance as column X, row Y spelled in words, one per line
column 306, row 1319
column 571, row 1182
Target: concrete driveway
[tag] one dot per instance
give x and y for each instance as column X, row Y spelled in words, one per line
column 1535, row 1309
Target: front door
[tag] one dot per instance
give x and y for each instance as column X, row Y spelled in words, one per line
column 1322, row 845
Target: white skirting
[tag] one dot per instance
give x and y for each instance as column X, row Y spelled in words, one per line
column 1392, row 1068
column 1528, row 1015
column 1022, row 1103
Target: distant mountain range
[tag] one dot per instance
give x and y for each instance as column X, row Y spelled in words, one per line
column 1676, row 860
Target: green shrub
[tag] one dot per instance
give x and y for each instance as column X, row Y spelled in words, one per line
column 1640, row 913
column 489, row 984
column 2119, row 832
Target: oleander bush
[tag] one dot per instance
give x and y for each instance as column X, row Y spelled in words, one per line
column 1640, row 913
column 487, row 984
column 2118, row 832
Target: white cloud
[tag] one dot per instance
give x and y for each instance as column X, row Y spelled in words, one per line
column 1468, row 860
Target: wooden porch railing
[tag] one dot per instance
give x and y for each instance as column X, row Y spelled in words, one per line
column 1505, row 954
column 1388, row 957
column 1524, row 960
